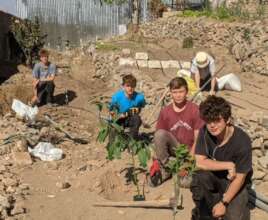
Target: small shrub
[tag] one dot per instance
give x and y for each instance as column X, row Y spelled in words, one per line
column 106, row 46
column 188, row 42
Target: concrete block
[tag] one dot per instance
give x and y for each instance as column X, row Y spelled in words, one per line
column 142, row 63
column 127, row 62
column 141, row 56
column 186, row 65
column 126, row 52
column 22, row 158
column 170, row 64
column 154, row 64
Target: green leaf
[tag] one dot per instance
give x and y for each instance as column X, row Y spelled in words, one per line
column 102, row 135
column 143, row 157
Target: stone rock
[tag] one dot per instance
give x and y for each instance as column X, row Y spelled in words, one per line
column 2, row 168
column 126, row 52
column 265, row 122
column 170, row 64
column 263, row 161
column 258, row 175
column 142, row 63
column 141, row 56
column 154, row 64
column 6, row 149
column 265, row 144
column 44, row 132
column 257, row 143
column 21, row 146
column 22, row 158
column 127, row 62
column 10, row 182
column 4, row 202
column 63, row 185
column 186, row 65
column 19, row 208
column 257, row 152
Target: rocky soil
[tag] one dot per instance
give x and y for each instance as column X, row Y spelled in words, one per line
column 68, row 188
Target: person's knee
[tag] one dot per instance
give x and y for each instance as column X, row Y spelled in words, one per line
column 160, row 134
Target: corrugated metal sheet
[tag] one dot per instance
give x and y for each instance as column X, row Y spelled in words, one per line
column 76, row 20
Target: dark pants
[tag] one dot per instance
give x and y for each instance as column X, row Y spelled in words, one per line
column 132, row 122
column 45, row 91
column 208, row 189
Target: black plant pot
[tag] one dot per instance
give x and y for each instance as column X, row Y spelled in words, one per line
column 139, row 198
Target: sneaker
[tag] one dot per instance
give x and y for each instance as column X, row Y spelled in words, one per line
column 157, row 174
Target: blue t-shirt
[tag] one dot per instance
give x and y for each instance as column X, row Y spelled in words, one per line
column 41, row 72
column 123, row 103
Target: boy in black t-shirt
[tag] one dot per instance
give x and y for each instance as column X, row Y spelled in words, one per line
column 224, row 157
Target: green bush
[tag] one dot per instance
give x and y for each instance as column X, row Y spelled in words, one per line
column 29, row 36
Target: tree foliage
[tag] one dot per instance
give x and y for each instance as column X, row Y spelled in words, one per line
column 184, row 163
column 29, row 36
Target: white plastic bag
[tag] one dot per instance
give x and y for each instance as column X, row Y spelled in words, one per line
column 24, row 111
column 46, row 152
column 230, row 82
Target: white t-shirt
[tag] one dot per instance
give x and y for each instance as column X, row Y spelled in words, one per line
column 204, row 72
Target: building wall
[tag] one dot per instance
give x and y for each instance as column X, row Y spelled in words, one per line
column 77, row 20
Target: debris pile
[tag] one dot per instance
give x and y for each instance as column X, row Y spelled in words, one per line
column 247, row 42
column 257, row 128
column 12, row 192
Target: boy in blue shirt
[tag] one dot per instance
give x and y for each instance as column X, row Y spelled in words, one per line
column 128, row 103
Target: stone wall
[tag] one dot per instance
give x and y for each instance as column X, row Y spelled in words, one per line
column 247, row 42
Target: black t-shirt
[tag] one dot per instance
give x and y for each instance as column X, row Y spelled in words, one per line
column 237, row 150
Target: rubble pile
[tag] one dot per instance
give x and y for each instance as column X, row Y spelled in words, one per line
column 247, row 42
column 257, row 128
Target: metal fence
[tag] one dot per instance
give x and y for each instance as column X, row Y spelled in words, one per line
column 78, row 20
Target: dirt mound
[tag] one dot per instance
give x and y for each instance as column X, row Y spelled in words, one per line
column 112, row 186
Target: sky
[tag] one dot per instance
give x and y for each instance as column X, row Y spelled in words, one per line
column 8, row 6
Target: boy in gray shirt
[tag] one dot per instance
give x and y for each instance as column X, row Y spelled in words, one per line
column 43, row 83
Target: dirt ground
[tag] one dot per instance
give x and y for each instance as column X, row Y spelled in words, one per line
column 92, row 177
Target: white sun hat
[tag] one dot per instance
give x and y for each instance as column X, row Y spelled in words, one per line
column 202, row 59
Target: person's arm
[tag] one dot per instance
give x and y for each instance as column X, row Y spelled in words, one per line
column 196, row 133
column 36, row 80
column 52, row 71
column 196, row 75
column 212, row 70
column 197, row 79
column 213, row 85
column 219, row 209
column 204, row 163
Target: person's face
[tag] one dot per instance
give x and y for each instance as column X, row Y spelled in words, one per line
column 44, row 59
column 217, row 127
column 129, row 90
column 179, row 95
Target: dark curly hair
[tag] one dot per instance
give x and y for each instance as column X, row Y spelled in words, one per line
column 213, row 108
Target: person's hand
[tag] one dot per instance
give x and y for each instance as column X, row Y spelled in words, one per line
column 218, row 210
column 231, row 171
column 212, row 92
column 35, row 83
